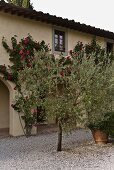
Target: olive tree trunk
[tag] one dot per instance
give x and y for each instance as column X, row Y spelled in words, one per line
column 59, row 145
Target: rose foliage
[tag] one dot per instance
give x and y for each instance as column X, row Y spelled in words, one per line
column 21, row 56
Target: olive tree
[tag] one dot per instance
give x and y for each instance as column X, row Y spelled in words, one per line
column 96, row 82
column 64, row 96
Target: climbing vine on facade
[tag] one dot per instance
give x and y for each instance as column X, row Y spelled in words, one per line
column 21, row 55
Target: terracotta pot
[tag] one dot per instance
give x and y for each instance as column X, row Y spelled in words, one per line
column 100, row 137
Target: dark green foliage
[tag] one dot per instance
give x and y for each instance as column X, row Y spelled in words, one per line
column 111, row 124
column 105, row 125
column 21, row 3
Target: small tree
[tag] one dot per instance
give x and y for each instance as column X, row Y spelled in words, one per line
column 64, row 97
column 96, row 82
column 97, row 92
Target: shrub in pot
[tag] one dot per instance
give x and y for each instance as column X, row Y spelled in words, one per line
column 96, row 87
column 100, row 131
column 96, row 82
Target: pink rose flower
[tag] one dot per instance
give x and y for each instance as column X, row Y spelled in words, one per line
column 62, row 73
column 68, row 58
column 26, row 41
column 9, row 76
column 35, row 110
column 29, row 65
column 28, row 52
column 3, row 68
column 21, row 52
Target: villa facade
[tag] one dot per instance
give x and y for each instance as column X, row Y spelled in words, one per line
column 61, row 34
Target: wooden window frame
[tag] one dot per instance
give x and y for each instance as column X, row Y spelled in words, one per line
column 59, row 35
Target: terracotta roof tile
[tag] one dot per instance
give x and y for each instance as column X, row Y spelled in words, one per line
column 52, row 19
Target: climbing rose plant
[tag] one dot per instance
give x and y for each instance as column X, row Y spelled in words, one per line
column 22, row 54
column 100, row 55
column 32, row 83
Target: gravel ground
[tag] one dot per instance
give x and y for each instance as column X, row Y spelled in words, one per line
column 39, row 153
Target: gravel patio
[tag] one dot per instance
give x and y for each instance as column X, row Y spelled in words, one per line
column 39, row 153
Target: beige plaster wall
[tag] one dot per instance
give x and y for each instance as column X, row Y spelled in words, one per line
column 4, row 106
column 75, row 36
column 11, row 25
column 15, row 128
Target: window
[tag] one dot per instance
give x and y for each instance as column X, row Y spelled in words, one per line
column 109, row 47
column 59, row 40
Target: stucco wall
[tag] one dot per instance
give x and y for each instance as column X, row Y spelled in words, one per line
column 12, row 119
column 4, row 106
column 75, row 36
column 11, row 25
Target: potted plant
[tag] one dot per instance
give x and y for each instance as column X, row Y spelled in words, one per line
column 96, row 85
column 96, row 82
column 97, row 98
column 100, row 130
column 103, row 129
